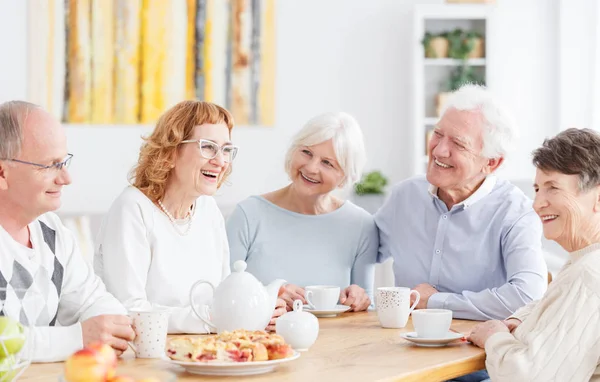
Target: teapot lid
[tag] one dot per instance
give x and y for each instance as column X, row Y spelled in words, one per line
column 239, row 266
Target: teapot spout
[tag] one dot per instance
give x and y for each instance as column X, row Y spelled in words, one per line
column 273, row 290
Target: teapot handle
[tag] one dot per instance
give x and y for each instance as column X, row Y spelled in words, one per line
column 205, row 320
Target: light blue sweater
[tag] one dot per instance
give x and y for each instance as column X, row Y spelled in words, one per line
column 337, row 248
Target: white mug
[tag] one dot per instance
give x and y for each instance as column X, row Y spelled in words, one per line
column 322, row 297
column 432, row 323
column 151, row 327
column 393, row 306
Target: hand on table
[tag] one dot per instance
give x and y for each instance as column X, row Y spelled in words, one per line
column 280, row 310
column 355, row 297
column 481, row 332
column 425, row 291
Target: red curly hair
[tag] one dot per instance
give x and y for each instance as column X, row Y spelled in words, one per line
column 157, row 155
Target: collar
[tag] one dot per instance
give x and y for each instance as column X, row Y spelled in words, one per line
column 576, row 255
column 486, row 187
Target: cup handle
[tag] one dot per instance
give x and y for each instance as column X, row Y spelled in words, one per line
column 414, row 305
column 307, row 295
column 132, row 346
column 205, row 320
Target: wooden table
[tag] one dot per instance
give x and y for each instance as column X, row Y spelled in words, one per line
column 352, row 347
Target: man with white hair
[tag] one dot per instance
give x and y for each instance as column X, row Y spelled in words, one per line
column 464, row 239
column 44, row 281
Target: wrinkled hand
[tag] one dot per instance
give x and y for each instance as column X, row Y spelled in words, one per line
column 280, row 310
column 289, row 293
column 109, row 329
column 512, row 324
column 425, row 291
column 481, row 332
column 355, row 297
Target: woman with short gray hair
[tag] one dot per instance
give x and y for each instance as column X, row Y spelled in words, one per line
column 558, row 337
column 303, row 233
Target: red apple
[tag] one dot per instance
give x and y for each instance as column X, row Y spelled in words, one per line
column 95, row 363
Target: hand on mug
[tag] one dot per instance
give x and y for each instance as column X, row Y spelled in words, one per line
column 113, row 330
column 355, row 297
column 425, row 291
column 280, row 310
column 289, row 293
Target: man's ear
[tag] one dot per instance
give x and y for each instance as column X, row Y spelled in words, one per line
column 492, row 165
column 3, row 175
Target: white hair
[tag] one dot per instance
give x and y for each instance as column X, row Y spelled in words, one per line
column 347, row 139
column 500, row 131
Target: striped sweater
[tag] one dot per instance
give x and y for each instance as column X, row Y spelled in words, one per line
column 559, row 337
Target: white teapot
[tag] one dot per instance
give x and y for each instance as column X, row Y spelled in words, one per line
column 240, row 301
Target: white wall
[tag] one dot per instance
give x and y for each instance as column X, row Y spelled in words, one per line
column 350, row 55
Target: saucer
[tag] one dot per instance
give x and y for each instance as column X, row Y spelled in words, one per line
column 339, row 309
column 432, row 342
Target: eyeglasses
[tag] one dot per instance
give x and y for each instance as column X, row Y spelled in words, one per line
column 209, row 149
column 55, row 166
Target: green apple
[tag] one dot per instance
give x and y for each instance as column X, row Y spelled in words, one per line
column 12, row 336
column 7, row 368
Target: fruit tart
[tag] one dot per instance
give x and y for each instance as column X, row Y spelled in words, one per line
column 237, row 346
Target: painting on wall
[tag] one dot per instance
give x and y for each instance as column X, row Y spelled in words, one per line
column 115, row 62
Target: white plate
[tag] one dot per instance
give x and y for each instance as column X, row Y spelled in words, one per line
column 432, row 342
column 339, row 309
column 233, row 368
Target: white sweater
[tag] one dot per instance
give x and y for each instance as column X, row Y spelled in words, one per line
column 145, row 263
column 559, row 337
column 50, row 289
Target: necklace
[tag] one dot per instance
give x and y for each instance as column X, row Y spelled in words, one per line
column 174, row 223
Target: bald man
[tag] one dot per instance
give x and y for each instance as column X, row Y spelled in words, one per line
column 44, row 281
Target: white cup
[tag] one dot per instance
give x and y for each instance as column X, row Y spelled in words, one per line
column 393, row 306
column 322, row 297
column 151, row 327
column 432, row 323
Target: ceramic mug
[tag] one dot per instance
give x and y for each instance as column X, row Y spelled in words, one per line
column 322, row 297
column 393, row 306
column 151, row 328
column 432, row 323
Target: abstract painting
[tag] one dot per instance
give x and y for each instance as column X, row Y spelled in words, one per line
column 115, row 62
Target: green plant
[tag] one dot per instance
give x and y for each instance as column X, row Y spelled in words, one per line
column 461, row 43
column 463, row 75
column 371, row 183
column 429, row 51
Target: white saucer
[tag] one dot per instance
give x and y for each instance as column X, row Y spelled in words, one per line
column 339, row 309
column 432, row 342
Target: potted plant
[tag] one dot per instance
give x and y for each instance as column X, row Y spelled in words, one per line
column 460, row 76
column 464, row 45
column 436, row 45
column 369, row 192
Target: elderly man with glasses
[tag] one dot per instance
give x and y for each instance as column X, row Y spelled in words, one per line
column 44, row 281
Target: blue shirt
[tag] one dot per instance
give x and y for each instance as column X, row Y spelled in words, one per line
column 484, row 255
column 337, row 248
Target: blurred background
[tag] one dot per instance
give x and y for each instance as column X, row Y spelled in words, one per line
column 108, row 68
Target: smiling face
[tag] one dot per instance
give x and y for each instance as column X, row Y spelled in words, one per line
column 195, row 173
column 566, row 212
column 34, row 190
column 455, row 160
column 314, row 170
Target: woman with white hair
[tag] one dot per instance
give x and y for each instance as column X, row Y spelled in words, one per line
column 557, row 338
column 303, row 233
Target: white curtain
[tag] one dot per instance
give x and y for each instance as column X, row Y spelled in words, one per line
column 578, row 64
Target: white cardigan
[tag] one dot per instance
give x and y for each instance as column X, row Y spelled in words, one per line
column 559, row 337
column 145, row 263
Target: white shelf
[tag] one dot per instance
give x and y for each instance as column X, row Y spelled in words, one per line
column 431, row 121
column 453, row 62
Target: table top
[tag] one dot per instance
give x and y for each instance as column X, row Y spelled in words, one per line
column 351, row 347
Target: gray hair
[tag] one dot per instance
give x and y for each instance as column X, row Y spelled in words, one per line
column 12, row 119
column 572, row 152
column 347, row 139
column 500, row 131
